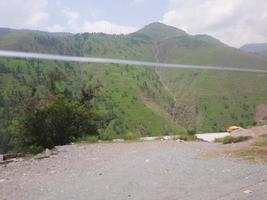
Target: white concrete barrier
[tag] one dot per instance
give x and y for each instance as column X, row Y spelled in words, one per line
column 211, row 137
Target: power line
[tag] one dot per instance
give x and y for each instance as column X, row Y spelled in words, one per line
column 31, row 55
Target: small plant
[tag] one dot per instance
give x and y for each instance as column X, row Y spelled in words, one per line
column 186, row 137
column 231, row 139
column 88, row 139
column 183, row 137
column 261, row 142
column 131, row 136
column 160, row 137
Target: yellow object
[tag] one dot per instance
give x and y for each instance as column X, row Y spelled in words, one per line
column 232, row 128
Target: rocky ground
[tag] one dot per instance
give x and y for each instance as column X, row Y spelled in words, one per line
column 145, row 170
column 252, row 132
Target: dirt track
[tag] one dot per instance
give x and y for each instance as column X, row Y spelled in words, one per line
column 146, row 170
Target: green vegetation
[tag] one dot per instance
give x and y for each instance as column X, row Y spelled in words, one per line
column 57, row 123
column 231, row 139
column 87, row 139
column 56, row 119
column 119, row 102
column 136, row 100
column 186, row 137
column 215, row 100
column 131, row 136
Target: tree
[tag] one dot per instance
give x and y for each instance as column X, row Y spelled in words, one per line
column 57, row 123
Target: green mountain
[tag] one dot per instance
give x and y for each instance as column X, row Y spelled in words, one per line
column 157, row 32
column 140, row 100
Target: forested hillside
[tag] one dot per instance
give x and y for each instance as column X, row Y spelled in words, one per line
column 139, row 100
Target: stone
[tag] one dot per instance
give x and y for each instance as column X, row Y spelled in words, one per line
column 1, row 158
column 118, row 140
column 48, row 152
column 52, row 172
column 168, row 137
column 41, row 156
column 2, row 180
column 149, row 138
column 247, row 192
column 180, row 141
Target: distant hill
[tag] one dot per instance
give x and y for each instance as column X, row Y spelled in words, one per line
column 157, row 32
column 146, row 101
column 260, row 48
column 8, row 31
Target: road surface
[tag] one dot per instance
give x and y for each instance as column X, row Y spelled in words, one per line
column 157, row 170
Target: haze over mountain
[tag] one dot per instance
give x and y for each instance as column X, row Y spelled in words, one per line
column 146, row 101
column 259, row 48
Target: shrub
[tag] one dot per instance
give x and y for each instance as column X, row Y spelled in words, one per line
column 57, row 123
column 115, row 129
column 187, row 137
column 192, row 131
column 231, row 139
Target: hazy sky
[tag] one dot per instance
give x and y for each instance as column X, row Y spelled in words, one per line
column 235, row 22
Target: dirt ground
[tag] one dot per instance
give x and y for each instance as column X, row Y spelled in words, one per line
column 142, row 170
column 254, row 132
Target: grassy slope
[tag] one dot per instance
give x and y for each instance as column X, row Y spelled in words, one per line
column 123, row 86
column 190, row 50
column 222, row 98
column 212, row 100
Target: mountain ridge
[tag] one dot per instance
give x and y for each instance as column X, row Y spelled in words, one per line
column 173, row 45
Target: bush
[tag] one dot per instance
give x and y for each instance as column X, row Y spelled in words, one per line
column 192, row 131
column 115, row 129
column 231, row 139
column 57, row 123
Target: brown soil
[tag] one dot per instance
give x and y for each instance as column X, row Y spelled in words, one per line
column 261, row 112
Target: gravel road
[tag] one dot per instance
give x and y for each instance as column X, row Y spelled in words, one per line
column 158, row 170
